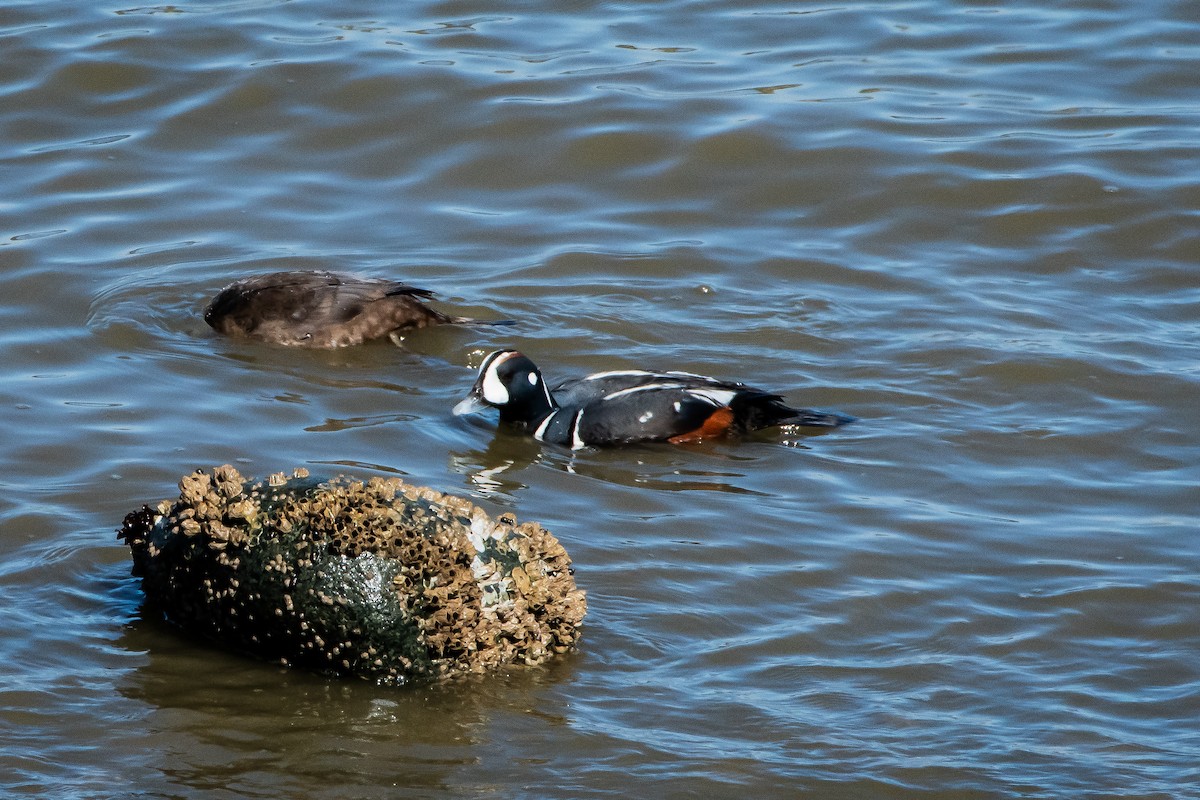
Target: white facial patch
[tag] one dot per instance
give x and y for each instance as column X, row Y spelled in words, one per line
column 533, row 379
column 494, row 390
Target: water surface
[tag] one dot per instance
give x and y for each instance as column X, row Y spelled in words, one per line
column 971, row 224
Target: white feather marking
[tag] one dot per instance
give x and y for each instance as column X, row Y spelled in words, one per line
column 496, row 356
column 494, row 390
column 646, row 417
column 718, row 397
column 541, row 429
column 595, row 376
column 576, row 442
column 647, row 388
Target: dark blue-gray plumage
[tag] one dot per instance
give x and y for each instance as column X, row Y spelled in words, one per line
column 625, row 406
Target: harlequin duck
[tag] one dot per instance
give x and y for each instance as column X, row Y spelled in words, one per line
column 625, row 406
column 320, row 309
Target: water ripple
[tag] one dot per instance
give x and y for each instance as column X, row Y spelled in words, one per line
column 970, row 226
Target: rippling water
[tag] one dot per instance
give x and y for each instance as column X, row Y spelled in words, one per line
column 971, row 224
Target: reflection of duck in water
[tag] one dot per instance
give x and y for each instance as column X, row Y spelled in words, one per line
column 497, row 469
column 320, row 309
column 625, row 406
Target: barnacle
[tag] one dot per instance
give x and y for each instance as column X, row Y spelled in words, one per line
column 377, row 578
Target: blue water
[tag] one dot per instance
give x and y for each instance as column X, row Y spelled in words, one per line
column 972, row 225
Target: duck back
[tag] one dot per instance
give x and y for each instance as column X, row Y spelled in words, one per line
column 319, row 309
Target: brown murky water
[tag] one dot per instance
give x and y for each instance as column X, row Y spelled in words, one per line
column 973, row 225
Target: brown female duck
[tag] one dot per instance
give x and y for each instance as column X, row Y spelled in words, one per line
column 320, row 309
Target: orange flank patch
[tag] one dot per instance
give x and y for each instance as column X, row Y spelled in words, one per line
column 717, row 424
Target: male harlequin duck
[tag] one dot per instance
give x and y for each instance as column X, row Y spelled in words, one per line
column 320, row 309
column 627, row 406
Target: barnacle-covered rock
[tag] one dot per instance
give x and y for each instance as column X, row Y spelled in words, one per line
column 376, row 578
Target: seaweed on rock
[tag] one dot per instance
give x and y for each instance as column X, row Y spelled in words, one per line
column 376, row 578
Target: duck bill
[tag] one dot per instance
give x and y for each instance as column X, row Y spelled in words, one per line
column 471, row 403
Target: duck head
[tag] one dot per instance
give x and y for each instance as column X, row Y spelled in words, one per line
column 512, row 383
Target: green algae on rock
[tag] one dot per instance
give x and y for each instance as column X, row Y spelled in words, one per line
column 376, row 578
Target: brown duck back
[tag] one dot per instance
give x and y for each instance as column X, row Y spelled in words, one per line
column 319, row 309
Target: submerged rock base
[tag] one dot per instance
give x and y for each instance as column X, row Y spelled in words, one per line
column 377, row 578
